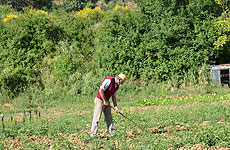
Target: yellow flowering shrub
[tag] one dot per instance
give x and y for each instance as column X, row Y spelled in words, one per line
column 223, row 28
column 222, row 25
column 118, row 7
column 32, row 11
column 9, row 17
column 84, row 13
column 220, row 2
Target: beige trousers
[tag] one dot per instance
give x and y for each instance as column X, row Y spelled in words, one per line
column 98, row 109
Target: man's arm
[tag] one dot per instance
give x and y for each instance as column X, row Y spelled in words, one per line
column 102, row 93
column 115, row 104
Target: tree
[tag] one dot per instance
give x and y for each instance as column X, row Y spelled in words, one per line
column 223, row 24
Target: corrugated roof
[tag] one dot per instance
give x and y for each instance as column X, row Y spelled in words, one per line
column 220, row 67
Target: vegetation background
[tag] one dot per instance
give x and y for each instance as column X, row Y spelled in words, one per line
column 55, row 53
column 59, row 51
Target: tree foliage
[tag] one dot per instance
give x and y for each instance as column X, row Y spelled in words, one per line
column 166, row 39
column 222, row 27
column 223, row 24
column 161, row 40
column 25, row 41
column 28, row 39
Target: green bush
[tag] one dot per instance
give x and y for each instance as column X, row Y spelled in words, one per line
column 162, row 40
column 5, row 9
column 179, row 37
column 117, row 45
column 63, row 67
column 69, row 5
column 159, row 43
column 79, row 39
column 35, row 43
column 25, row 41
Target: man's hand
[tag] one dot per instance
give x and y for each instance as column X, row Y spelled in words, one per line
column 116, row 109
column 106, row 103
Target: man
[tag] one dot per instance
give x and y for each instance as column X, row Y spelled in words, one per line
column 108, row 88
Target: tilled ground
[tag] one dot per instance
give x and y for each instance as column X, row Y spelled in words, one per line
column 80, row 143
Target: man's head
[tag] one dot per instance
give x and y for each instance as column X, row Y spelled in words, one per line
column 121, row 79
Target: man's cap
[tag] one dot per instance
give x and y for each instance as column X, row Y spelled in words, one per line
column 122, row 76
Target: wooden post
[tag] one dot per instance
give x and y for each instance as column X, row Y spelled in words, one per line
column 3, row 126
column 24, row 118
column 228, row 77
column 219, row 77
column 30, row 115
column 123, row 3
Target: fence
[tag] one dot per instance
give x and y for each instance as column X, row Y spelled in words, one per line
column 23, row 115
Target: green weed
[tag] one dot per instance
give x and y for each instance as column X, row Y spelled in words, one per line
column 171, row 126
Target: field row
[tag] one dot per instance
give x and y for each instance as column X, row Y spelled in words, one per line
column 197, row 125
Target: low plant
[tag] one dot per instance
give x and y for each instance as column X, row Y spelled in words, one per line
column 202, row 125
column 181, row 100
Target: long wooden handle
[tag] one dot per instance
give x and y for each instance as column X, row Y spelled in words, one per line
column 129, row 119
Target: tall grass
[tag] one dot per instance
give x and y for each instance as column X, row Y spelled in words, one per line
column 80, row 88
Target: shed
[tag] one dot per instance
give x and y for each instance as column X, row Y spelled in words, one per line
column 220, row 74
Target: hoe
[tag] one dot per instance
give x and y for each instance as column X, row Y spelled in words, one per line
column 129, row 119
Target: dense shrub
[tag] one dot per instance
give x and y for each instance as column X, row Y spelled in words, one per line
column 68, row 5
column 162, row 40
column 25, row 41
column 80, row 34
column 222, row 24
column 118, row 41
column 5, row 9
column 165, row 39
